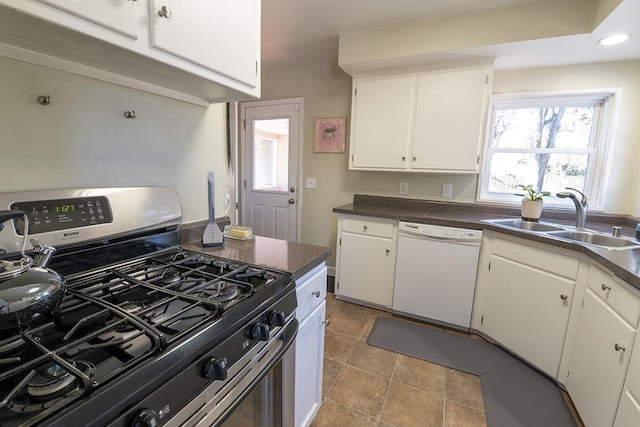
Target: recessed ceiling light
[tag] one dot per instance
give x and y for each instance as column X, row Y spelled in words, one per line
column 613, row 39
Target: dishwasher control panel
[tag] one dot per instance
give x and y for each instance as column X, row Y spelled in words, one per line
column 439, row 232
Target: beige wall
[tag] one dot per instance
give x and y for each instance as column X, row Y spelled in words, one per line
column 83, row 140
column 326, row 91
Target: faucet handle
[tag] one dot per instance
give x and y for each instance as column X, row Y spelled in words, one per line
column 584, row 200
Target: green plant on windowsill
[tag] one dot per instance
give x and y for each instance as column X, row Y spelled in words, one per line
column 530, row 193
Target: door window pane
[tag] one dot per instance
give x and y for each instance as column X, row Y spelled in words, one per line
column 271, row 155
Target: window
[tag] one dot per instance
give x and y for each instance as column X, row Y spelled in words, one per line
column 551, row 142
column 265, row 168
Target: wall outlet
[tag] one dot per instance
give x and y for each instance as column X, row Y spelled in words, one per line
column 447, row 190
column 310, row 183
column 404, row 188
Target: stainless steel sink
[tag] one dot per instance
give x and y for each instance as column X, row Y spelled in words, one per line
column 595, row 239
column 525, row 225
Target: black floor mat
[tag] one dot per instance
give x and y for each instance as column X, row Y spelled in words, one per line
column 514, row 394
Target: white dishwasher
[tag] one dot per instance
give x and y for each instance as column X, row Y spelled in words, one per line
column 436, row 273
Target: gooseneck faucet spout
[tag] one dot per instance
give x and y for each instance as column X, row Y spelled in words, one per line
column 581, row 205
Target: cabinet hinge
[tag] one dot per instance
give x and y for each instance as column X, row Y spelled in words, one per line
column 340, row 241
column 478, row 160
column 489, row 265
column 244, row 184
column 244, row 124
column 355, row 91
column 486, row 79
column 237, row 205
column 256, row 68
column 582, row 306
column 337, row 285
column 568, row 374
column 482, row 320
column 352, row 157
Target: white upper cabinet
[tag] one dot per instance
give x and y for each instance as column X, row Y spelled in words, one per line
column 199, row 51
column 450, row 111
column 420, row 122
column 382, row 115
column 119, row 16
column 212, row 34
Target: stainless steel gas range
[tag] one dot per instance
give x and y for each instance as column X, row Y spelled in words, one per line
column 146, row 334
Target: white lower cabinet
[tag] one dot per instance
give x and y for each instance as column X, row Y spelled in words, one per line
column 309, row 346
column 628, row 414
column 602, row 349
column 365, row 261
column 528, row 301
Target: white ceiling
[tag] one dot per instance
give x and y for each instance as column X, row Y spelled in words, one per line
column 297, row 33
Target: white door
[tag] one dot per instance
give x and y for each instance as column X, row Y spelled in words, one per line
column 270, row 138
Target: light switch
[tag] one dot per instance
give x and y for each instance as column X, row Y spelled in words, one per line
column 310, row 183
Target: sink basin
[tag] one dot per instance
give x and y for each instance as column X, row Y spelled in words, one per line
column 525, row 225
column 595, row 239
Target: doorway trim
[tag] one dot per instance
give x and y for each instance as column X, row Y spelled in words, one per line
column 242, row 147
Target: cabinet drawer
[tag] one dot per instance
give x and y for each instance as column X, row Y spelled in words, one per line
column 621, row 299
column 311, row 291
column 372, row 228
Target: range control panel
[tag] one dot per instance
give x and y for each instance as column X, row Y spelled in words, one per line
column 52, row 215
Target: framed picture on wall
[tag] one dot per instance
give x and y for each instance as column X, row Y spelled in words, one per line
column 328, row 135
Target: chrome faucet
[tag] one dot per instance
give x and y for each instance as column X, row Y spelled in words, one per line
column 581, row 205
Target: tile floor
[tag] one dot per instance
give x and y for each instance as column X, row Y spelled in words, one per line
column 369, row 386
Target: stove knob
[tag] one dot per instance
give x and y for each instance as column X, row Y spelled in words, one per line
column 276, row 318
column 146, row 418
column 260, row 332
column 216, row 369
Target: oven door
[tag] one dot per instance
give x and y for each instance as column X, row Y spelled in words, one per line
column 259, row 390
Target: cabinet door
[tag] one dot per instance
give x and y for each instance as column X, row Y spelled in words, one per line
column 628, row 412
column 527, row 310
column 365, row 265
column 450, row 108
column 598, row 363
column 221, row 35
column 382, row 118
column 309, row 360
column 119, row 16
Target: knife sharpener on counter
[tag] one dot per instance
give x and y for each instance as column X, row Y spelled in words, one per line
column 212, row 235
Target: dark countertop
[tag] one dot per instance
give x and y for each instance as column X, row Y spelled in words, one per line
column 623, row 263
column 295, row 258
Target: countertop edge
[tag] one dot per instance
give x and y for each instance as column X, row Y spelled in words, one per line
column 611, row 260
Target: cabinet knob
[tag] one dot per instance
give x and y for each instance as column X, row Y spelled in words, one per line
column 326, row 322
column 364, row 228
column 386, row 251
column 316, row 294
column 415, row 158
column 404, row 158
column 164, row 12
column 619, row 347
column 605, row 287
column 563, row 297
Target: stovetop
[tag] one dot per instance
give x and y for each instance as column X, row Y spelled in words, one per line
column 117, row 318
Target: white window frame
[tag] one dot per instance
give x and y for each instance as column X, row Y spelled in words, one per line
column 600, row 148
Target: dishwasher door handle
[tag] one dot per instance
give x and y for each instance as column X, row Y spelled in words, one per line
column 440, row 239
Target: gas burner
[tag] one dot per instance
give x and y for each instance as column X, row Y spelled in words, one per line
column 11, row 351
column 221, row 292
column 53, row 380
column 170, row 275
column 187, row 284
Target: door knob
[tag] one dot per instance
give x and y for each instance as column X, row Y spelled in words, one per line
column 291, row 201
